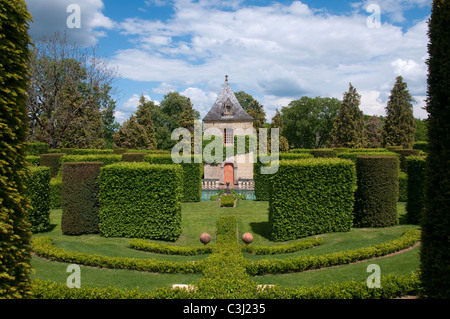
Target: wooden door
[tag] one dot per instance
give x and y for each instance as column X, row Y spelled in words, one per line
column 228, row 174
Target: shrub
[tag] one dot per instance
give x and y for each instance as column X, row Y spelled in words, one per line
column 55, row 193
column 192, row 175
column 353, row 155
column 415, row 188
column 37, row 148
column 77, row 151
column 262, row 180
column 377, row 193
column 51, row 160
column 420, row 145
column 405, row 153
column 33, row 160
column 80, row 198
column 324, row 153
column 14, row 228
column 402, row 187
column 283, row 249
column 38, row 191
column 227, row 201
column 145, row 245
column 141, row 200
column 133, row 157
column 311, row 196
column 106, row 159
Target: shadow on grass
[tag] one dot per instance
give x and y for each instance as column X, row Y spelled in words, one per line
column 261, row 228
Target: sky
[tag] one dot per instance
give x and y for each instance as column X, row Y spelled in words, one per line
column 277, row 51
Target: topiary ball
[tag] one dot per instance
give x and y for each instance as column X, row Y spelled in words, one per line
column 205, row 238
column 247, row 238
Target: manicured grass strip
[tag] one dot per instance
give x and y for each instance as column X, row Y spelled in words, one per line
column 144, row 245
column 301, row 263
column 392, row 286
column 43, row 247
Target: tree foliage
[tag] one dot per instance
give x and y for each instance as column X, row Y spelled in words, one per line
column 399, row 126
column 14, row 229
column 435, row 252
column 373, row 132
column 307, row 122
column 69, row 94
column 348, row 127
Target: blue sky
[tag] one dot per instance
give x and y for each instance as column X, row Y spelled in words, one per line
column 278, row 51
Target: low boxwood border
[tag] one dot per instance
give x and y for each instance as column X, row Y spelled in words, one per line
column 302, row 263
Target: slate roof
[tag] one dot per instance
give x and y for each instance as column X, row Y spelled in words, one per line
column 227, row 98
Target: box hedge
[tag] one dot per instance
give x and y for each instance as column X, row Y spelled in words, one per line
column 311, row 196
column 324, row 153
column 55, row 193
column 51, row 160
column 378, row 191
column 405, row 153
column 192, row 174
column 33, row 160
column 106, row 159
column 133, row 157
column 415, row 166
column 37, row 148
column 38, row 192
column 262, row 180
column 402, row 187
column 141, row 200
column 80, row 203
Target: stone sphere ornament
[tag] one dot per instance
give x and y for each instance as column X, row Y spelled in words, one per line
column 205, row 238
column 247, row 238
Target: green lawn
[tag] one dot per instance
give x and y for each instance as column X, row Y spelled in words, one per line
column 201, row 217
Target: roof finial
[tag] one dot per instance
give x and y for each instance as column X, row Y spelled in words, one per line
column 226, row 78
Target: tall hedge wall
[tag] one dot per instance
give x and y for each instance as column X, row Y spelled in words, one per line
column 106, row 159
column 405, row 153
column 141, row 200
column 311, row 196
column 192, row 175
column 14, row 228
column 80, row 204
column 378, row 191
column 262, row 180
column 37, row 148
column 51, row 160
column 38, row 191
column 415, row 167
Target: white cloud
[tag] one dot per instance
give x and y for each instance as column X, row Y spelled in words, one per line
column 202, row 101
column 279, row 51
column 130, row 106
column 50, row 16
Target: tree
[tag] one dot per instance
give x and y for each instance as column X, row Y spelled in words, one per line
column 277, row 120
column 421, row 130
column 244, row 99
column 68, row 86
column 399, row 126
column 373, row 132
column 348, row 127
column 435, row 224
column 256, row 110
column 137, row 132
column 15, row 235
column 307, row 122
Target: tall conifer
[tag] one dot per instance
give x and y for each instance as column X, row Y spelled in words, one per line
column 348, row 127
column 435, row 251
column 399, row 126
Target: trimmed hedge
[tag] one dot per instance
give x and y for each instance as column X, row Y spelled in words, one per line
column 133, row 157
column 311, row 196
column 227, row 200
column 141, row 200
column 80, row 204
column 302, row 263
column 283, row 249
column 37, row 148
column 415, row 167
column 56, row 193
column 33, row 160
column 405, row 153
column 354, row 155
column 78, row 151
column 393, row 286
column 192, row 175
column 420, row 145
column 402, row 187
column 43, row 247
column 145, row 245
column 377, row 194
column 106, row 159
column 324, row 153
column 262, row 180
column 51, row 160
column 38, row 192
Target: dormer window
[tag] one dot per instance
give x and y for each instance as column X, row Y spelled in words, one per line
column 227, row 109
